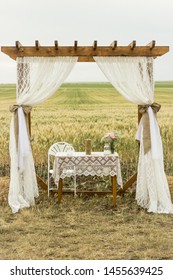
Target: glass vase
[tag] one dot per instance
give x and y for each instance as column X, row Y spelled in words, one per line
column 107, row 149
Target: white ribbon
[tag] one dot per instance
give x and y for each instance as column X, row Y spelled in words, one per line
column 155, row 136
column 23, row 140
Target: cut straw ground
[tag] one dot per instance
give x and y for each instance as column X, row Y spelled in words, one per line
column 84, row 228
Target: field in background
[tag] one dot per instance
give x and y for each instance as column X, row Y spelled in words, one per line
column 80, row 111
column 85, row 227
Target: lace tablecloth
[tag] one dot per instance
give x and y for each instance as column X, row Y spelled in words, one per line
column 96, row 164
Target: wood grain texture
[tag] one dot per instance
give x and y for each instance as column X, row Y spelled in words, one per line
column 85, row 53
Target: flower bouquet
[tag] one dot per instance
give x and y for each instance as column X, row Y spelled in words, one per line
column 109, row 139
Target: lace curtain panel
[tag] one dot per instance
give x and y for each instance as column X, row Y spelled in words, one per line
column 38, row 78
column 132, row 77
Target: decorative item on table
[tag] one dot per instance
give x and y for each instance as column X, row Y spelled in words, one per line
column 88, row 146
column 69, row 150
column 109, row 142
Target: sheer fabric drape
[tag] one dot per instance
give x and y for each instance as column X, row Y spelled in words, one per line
column 38, row 79
column 133, row 78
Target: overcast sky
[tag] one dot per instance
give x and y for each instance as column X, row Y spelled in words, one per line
column 86, row 21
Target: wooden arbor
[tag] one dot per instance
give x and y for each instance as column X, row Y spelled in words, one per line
column 85, row 54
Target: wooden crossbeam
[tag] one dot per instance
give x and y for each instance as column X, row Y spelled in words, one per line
column 95, row 45
column 56, row 44
column 128, row 184
column 132, row 45
column 37, row 44
column 41, row 183
column 114, row 45
column 18, row 45
column 84, row 53
column 152, row 44
column 75, row 45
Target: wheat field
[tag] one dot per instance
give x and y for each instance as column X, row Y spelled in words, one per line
column 85, row 227
column 80, row 111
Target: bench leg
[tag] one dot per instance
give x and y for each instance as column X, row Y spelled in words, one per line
column 60, row 184
column 114, row 189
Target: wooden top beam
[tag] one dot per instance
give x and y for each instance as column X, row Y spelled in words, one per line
column 84, row 53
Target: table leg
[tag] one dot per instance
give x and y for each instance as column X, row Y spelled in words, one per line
column 114, row 188
column 60, row 184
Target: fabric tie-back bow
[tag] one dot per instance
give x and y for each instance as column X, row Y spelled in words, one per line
column 143, row 109
column 13, row 109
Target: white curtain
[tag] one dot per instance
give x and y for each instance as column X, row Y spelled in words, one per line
column 38, row 79
column 133, row 78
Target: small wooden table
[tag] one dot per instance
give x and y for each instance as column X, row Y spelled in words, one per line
column 96, row 164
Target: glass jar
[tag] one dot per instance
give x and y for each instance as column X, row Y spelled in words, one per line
column 107, row 149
